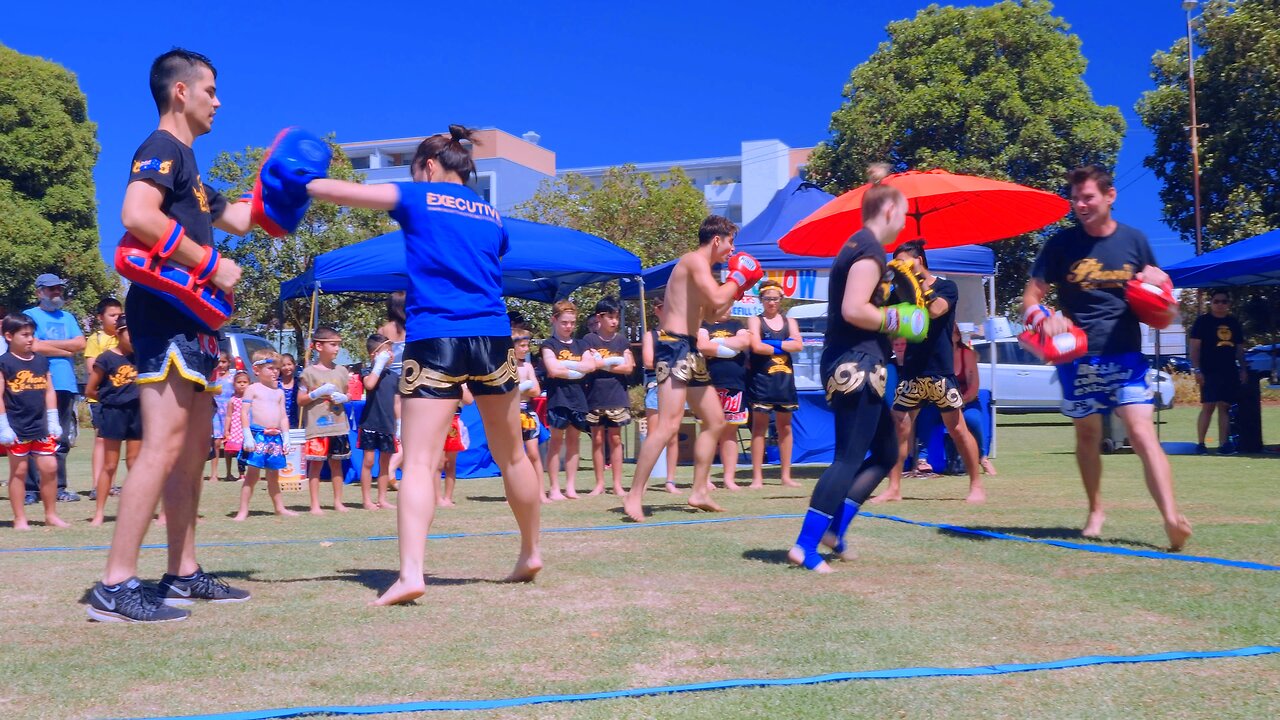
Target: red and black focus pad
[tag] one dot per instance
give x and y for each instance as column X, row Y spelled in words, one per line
column 904, row 283
column 1055, row 349
column 187, row 289
column 1153, row 304
column 279, row 197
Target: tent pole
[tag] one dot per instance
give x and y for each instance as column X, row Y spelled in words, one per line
column 644, row 317
column 315, row 297
column 1158, row 333
column 991, row 343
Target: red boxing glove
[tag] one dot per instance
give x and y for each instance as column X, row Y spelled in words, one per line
column 187, row 289
column 1055, row 349
column 1153, row 304
column 745, row 271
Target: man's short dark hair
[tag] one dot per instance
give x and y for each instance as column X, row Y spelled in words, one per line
column 1220, row 291
column 914, row 248
column 177, row 65
column 107, row 302
column 1096, row 173
column 715, row 225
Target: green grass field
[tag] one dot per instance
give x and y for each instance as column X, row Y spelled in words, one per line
column 651, row 606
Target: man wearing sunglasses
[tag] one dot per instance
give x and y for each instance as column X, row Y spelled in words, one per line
column 1217, row 358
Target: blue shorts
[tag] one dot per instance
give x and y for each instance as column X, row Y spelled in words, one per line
column 268, row 450
column 1099, row 384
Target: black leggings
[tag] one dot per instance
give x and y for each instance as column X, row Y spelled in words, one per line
column 863, row 422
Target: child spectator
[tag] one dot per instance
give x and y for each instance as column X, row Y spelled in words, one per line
column 610, row 408
column 377, row 437
column 530, row 428
column 455, row 442
column 28, row 419
column 113, row 389
column 567, row 361
column 324, row 416
column 220, row 400
column 234, row 440
column 289, row 384
column 104, row 338
column 266, row 439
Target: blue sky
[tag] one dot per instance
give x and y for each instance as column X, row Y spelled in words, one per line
column 603, row 83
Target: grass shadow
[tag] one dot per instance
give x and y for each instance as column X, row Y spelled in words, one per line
column 1048, row 533
column 488, row 498
column 374, row 579
column 767, row 556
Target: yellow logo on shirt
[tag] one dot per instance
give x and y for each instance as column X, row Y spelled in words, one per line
column 567, row 355
column 201, row 197
column 1089, row 274
column 1224, row 336
column 25, row 380
column 778, row 364
column 124, row 375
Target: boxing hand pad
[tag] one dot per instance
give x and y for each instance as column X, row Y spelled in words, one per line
column 905, row 320
column 1153, row 304
column 1055, row 349
column 745, row 271
column 279, row 198
column 187, row 289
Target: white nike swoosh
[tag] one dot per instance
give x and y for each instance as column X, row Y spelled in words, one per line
column 108, row 604
column 179, row 591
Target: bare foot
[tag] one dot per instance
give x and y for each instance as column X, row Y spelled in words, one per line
column 571, row 494
column 317, row 511
column 617, row 490
column 21, row 525
column 987, row 467
column 977, row 495
column 545, row 500
column 671, row 488
column 885, row 497
column 240, row 516
column 788, row 482
column 795, row 556
column 1178, row 533
column 55, row 521
column 730, row 485
column 286, row 512
column 755, row 485
column 633, row 508
column 340, row 507
column 556, row 495
column 1093, row 526
column 159, row 522
column 598, row 490
column 526, row 570
column 372, row 506
column 386, row 505
column 401, row 592
column 704, row 503
column 849, row 554
column 445, row 502
column 97, row 520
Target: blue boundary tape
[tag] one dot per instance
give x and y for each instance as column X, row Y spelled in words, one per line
column 1063, row 544
column 889, row 674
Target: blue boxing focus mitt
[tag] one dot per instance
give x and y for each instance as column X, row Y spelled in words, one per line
column 279, row 198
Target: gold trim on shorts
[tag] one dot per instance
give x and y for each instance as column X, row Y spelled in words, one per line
column 849, row 377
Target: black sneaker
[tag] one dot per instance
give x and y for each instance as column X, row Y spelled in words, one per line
column 131, row 601
column 65, row 496
column 1201, row 449
column 1227, row 448
column 174, row 590
column 31, row 499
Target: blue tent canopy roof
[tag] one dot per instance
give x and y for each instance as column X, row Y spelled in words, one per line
column 1253, row 261
column 544, row 263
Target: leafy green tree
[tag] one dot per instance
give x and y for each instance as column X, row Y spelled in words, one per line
column 1237, row 96
column 268, row 261
column 656, row 218
column 994, row 91
column 48, row 147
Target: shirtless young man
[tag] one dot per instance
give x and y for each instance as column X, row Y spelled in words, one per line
column 692, row 297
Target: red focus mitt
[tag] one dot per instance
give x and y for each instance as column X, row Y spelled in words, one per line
column 1055, row 349
column 745, row 271
column 1153, row 304
column 187, row 289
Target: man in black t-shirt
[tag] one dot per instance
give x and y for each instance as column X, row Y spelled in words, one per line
column 1090, row 263
column 167, row 203
column 1217, row 357
column 929, row 376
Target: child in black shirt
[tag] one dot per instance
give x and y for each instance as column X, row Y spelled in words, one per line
column 113, row 384
column 28, row 394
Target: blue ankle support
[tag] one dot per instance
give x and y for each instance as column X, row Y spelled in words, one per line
column 815, row 525
column 848, row 512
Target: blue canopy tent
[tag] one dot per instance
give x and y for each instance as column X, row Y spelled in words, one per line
column 544, row 263
column 1254, row 261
